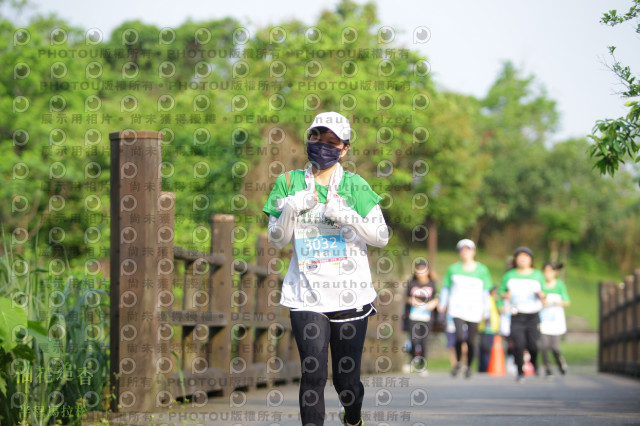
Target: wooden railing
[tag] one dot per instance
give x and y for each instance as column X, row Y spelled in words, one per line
column 187, row 323
column 619, row 350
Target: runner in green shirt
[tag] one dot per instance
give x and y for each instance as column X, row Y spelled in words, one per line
column 522, row 287
column 465, row 290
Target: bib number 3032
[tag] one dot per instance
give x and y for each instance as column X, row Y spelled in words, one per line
column 329, row 246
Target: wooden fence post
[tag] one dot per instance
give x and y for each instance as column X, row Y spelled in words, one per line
column 196, row 335
column 166, row 271
column 135, row 187
column 601, row 331
column 221, row 291
column 245, row 299
column 265, row 308
column 636, row 322
column 628, row 330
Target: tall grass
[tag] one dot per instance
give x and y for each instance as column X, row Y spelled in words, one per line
column 54, row 362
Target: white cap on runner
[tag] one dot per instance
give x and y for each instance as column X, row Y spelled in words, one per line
column 337, row 123
column 466, row 243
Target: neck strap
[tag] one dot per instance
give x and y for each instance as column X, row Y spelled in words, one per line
column 334, row 181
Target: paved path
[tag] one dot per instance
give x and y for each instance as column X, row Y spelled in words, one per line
column 580, row 398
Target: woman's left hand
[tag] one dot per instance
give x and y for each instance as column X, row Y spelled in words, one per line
column 335, row 210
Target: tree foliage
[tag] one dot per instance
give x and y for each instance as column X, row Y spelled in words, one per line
column 474, row 166
column 617, row 140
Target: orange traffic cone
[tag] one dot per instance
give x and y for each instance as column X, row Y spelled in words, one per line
column 496, row 361
column 527, row 367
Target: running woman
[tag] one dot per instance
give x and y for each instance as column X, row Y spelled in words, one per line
column 330, row 215
column 522, row 287
column 553, row 323
column 421, row 296
column 465, row 289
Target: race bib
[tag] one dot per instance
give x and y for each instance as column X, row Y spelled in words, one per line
column 465, row 299
column 420, row 313
column 319, row 245
column 522, row 297
column 552, row 318
column 549, row 315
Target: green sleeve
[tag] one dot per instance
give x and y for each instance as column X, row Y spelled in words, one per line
column 563, row 291
column 279, row 191
column 503, row 285
column 364, row 198
column 488, row 282
column 446, row 281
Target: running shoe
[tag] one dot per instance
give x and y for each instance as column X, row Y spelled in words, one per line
column 520, row 378
column 563, row 367
column 467, row 373
column 548, row 374
column 455, row 370
column 344, row 422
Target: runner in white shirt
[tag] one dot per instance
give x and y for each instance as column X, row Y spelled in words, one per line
column 465, row 290
column 329, row 215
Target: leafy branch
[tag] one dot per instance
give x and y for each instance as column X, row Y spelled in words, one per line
column 619, row 139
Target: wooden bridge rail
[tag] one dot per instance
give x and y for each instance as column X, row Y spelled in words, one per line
column 619, row 349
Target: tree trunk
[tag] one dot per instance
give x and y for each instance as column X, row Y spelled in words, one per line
column 475, row 232
column 566, row 245
column 432, row 242
column 553, row 249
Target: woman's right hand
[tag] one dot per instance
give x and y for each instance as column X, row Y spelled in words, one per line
column 305, row 200
column 301, row 201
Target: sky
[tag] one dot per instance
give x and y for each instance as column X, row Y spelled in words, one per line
column 561, row 43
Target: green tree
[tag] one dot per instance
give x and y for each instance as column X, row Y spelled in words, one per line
column 618, row 139
column 514, row 121
column 418, row 153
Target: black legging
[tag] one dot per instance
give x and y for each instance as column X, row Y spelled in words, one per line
column 419, row 332
column 314, row 333
column 524, row 332
column 472, row 331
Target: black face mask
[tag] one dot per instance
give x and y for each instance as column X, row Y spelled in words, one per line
column 323, row 155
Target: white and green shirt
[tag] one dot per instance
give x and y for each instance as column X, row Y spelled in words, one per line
column 353, row 188
column 523, row 290
column 353, row 284
column 552, row 318
column 465, row 292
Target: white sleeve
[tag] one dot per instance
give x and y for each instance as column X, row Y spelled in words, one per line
column 281, row 228
column 444, row 297
column 372, row 228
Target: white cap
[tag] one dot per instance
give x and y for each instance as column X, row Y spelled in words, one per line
column 337, row 123
column 466, row 243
